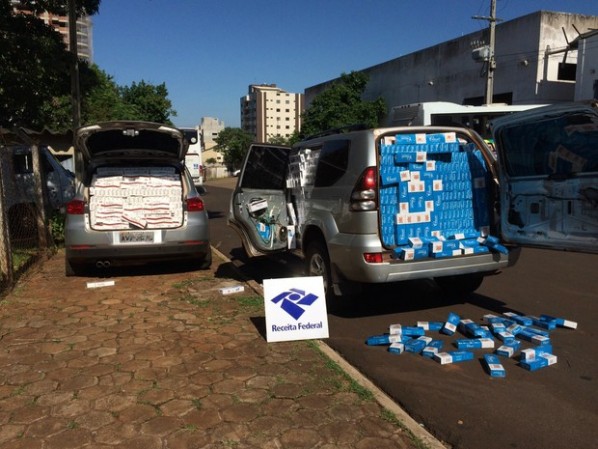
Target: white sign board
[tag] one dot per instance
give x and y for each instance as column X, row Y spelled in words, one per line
column 295, row 309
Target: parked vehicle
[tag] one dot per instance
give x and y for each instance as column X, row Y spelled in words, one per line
column 137, row 202
column 193, row 158
column 18, row 180
column 403, row 203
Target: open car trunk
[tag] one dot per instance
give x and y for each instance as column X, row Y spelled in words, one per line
column 128, row 198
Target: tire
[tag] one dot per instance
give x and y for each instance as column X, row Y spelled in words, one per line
column 206, row 263
column 317, row 263
column 461, row 285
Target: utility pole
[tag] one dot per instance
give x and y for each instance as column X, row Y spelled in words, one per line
column 75, row 87
column 491, row 61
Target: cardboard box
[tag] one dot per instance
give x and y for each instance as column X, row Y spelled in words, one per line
column 385, row 339
column 520, row 319
column 561, row 322
column 508, row 350
column 396, row 348
column 432, row 348
column 430, row 325
column 407, row 330
column 534, row 338
column 417, row 345
column 529, row 354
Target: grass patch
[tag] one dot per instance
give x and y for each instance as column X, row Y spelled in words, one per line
column 250, row 303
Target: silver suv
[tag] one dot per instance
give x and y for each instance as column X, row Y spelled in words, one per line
column 394, row 204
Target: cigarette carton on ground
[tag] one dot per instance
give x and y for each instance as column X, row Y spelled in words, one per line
column 417, row 345
column 396, row 348
column 445, row 358
column 474, row 343
column 534, row 338
column 542, row 361
column 493, row 365
column 561, row 322
column 450, row 326
column 430, row 325
column 432, row 348
column 524, row 320
column 406, row 330
column 231, row 290
column 543, row 324
column 508, row 350
column 530, row 354
column 385, row 339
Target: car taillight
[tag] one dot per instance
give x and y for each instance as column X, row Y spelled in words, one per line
column 373, row 257
column 195, row 204
column 75, row 207
column 363, row 197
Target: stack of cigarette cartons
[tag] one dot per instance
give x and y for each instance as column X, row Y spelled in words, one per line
column 434, row 197
column 509, row 329
column 135, row 198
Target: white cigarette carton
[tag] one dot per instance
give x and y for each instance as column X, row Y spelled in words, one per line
column 450, row 326
column 396, row 348
column 231, row 290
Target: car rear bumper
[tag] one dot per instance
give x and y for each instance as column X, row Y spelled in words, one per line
column 347, row 261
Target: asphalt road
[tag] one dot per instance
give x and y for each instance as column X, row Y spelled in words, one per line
column 555, row 407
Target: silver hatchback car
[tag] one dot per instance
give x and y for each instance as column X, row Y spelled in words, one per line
column 135, row 202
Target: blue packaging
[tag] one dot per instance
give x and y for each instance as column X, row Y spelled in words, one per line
column 417, row 345
column 561, row 322
column 396, row 348
column 430, row 325
column 508, row 350
column 523, row 320
column 474, row 343
column 493, row 365
column 432, row 348
column 542, row 361
column 384, row 339
column 453, row 357
column 450, row 326
column 544, row 324
column 407, row 330
column 529, row 354
column 505, row 336
column 534, row 338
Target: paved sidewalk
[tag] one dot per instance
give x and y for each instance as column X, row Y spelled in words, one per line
column 165, row 361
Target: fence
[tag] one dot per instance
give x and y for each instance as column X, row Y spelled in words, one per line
column 26, row 217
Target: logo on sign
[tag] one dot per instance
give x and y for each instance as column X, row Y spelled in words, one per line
column 294, row 301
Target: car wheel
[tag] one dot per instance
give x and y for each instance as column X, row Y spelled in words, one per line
column 317, row 263
column 461, row 285
column 206, row 263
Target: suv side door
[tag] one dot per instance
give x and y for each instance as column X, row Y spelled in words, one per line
column 548, row 161
column 259, row 210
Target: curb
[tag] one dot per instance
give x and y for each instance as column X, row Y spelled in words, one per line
column 382, row 398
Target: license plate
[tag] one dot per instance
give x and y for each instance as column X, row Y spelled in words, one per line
column 135, row 237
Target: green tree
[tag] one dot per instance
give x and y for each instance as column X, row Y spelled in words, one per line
column 233, row 143
column 341, row 106
column 34, row 62
column 148, row 102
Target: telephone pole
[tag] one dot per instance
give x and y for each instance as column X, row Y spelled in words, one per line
column 490, row 60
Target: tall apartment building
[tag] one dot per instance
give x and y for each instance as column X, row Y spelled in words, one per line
column 210, row 127
column 61, row 24
column 268, row 111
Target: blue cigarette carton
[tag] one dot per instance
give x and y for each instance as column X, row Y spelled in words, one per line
column 508, row 350
column 561, row 322
column 417, row 345
column 493, row 365
column 534, row 338
column 385, row 339
column 450, row 326
column 543, row 324
column 529, row 354
column 505, row 336
column 407, row 330
column 432, row 348
column 520, row 319
column 474, row 343
column 396, row 348
column 445, row 358
column 430, row 325
column 542, row 361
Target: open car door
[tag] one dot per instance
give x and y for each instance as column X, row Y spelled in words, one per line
column 258, row 209
column 548, row 161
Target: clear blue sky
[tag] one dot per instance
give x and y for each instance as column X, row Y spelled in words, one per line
column 208, row 52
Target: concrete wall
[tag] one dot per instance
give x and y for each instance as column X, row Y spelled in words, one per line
column 447, row 71
column 586, row 84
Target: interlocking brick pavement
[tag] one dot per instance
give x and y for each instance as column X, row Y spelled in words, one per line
column 163, row 360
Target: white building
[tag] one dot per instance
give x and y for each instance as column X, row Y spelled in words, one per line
column 535, row 64
column 268, row 111
column 586, row 81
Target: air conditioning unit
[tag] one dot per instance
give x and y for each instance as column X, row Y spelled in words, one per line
column 481, row 54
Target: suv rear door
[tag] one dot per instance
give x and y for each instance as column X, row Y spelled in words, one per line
column 258, row 209
column 548, row 160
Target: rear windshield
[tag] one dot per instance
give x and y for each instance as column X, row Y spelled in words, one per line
column 563, row 145
column 139, row 140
